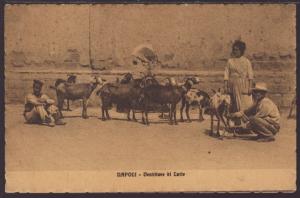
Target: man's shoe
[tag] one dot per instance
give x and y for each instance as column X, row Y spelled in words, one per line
column 59, row 122
column 49, row 124
column 265, row 139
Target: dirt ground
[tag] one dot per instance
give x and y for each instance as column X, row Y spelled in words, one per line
column 93, row 144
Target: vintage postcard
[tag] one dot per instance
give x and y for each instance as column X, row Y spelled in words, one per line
column 150, row 98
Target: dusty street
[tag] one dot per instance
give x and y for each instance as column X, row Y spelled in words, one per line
column 118, row 144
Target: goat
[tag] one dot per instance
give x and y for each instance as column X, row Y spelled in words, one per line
column 170, row 81
column 219, row 107
column 124, row 94
column 76, row 91
column 127, row 79
column 71, row 80
column 162, row 94
column 194, row 97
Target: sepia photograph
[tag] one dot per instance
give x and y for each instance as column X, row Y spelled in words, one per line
column 150, row 98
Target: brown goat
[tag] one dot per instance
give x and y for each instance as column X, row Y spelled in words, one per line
column 219, row 107
column 76, row 91
column 71, row 80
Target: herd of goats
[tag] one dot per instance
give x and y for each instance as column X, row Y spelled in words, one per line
column 146, row 95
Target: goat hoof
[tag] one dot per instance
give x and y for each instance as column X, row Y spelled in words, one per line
column 170, row 123
column 181, row 120
column 103, row 119
column 201, row 119
column 85, row 117
column 176, row 123
column 135, row 120
column 189, row 120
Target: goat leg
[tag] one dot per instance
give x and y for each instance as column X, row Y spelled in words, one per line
column 174, row 112
column 171, row 115
column 143, row 117
column 84, row 108
column 103, row 115
column 68, row 105
column 187, row 111
column 128, row 115
column 223, row 121
column 220, row 118
column 133, row 115
column 218, row 131
column 181, row 110
column 211, row 124
column 60, row 103
column 107, row 114
column 146, row 114
column 161, row 115
column 218, row 128
column 200, row 114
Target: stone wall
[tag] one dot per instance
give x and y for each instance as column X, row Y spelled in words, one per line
column 17, row 84
column 49, row 41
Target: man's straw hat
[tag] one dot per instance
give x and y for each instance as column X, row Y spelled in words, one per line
column 260, row 86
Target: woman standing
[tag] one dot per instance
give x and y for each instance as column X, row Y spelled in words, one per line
column 238, row 78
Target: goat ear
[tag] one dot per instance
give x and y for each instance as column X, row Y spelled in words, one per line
column 214, row 91
column 219, row 90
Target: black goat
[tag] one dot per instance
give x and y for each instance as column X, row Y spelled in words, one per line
column 163, row 95
column 76, row 91
column 124, row 94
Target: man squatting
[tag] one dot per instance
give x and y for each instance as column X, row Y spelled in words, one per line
column 263, row 116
